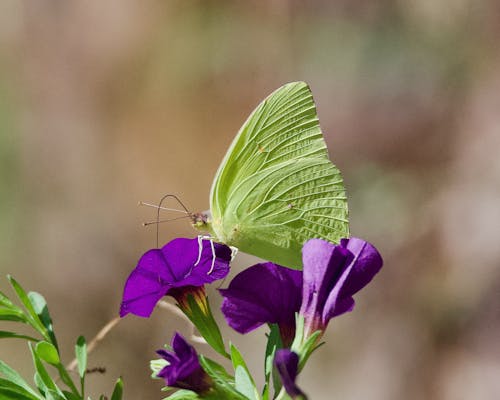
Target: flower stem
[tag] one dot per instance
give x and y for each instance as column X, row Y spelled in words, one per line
column 95, row 341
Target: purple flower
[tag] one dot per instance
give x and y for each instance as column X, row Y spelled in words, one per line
column 332, row 275
column 269, row 293
column 287, row 364
column 178, row 267
column 263, row 293
column 184, row 370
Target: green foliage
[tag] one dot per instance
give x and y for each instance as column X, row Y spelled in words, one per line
column 302, row 346
column 182, row 395
column 44, row 351
column 118, row 390
column 244, row 382
column 273, row 343
column 81, row 355
column 204, row 321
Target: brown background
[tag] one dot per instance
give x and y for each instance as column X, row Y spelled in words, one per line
column 104, row 103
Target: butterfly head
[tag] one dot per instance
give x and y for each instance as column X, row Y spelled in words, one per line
column 201, row 221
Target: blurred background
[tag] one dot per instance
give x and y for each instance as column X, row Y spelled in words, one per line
column 104, row 103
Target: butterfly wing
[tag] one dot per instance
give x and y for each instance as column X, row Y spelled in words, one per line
column 276, row 187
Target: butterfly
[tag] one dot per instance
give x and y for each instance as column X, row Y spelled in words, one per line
column 276, row 186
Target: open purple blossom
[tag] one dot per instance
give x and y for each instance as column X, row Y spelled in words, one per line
column 332, row 275
column 263, row 293
column 269, row 293
column 287, row 365
column 182, row 264
column 184, row 370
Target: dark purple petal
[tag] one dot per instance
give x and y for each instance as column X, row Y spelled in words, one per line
column 364, row 266
column 263, row 293
column 181, row 255
column 332, row 275
column 184, row 370
column 324, row 263
column 146, row 285
column 367, row 262
column 176, row 265
column 287, row 364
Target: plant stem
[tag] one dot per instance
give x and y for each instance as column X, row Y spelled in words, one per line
column 95, row 341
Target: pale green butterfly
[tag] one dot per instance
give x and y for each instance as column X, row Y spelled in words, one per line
column 276, row 187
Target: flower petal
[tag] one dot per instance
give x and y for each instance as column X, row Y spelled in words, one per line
column 365, row 264
column 184, row 370
column 324, row 263
column 146, row 285
column 287, row 364
column 176, row 265
column 263, row 293
column 191, row 268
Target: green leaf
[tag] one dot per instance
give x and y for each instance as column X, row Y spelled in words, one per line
column 42, row 312
column 182, row 395
column 273, row 343
column 54, row 395
column 42, row 387
column 118, row 390
column 81, row 355
column 13, row 376
column 237, row 358
column 9, row 314
column 205, row 322
column 71, row 396
column 303, row 347
column 156, row 366
column 224, row 384
column 48, row 353
column 42, row 378
column 8, row 335
column 5, row 301
column 244, row 382
column 216, row 371
column 10, row 391
column 32, row 316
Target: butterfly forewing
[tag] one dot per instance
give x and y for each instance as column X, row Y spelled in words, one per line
column 276, row 187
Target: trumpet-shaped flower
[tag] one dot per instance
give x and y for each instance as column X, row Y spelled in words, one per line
column 269, row 293
column 184, row 370
column 180, row 266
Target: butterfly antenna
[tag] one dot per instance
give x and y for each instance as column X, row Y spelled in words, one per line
column 164, row 220
column 143, row 203
column 158, row 213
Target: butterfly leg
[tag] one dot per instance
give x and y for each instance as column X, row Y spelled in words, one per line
column 200, row 250
column 213, row 257
column 234, row 251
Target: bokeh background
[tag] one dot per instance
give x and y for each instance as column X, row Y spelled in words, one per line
column 104, row 103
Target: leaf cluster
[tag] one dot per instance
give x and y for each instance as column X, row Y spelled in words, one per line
column 52, row 380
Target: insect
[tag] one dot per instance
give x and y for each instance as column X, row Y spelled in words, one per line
column 276, row 186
